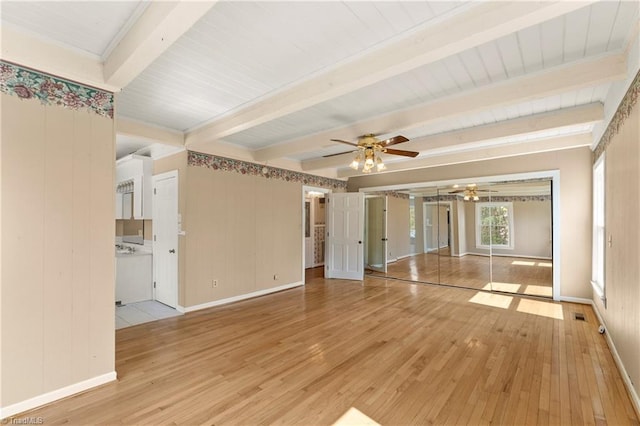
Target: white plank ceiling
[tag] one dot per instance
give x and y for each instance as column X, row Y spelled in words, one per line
column 240, row 81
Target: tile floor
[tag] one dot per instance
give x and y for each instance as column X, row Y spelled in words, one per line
column 141, row 312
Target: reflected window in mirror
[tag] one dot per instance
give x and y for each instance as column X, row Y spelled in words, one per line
column 494, row 225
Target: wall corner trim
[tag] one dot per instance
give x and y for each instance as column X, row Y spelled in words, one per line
column 633, row 394
column 242, row 297
column 54, row 395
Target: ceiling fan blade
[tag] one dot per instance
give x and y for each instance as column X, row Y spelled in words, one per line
column 401, row 152
column 341, row 141
column 339, row 153
column 394, row 140
column 458, row 191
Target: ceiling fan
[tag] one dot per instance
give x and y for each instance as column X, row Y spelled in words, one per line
column 470, row 192
column 368, row 149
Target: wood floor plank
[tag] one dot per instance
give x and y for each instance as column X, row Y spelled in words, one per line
column 401, row 353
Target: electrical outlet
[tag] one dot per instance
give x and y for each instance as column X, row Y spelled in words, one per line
column 214, row 283
column 275, row 276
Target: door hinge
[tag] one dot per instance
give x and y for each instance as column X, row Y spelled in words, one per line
column 154, row 192
column 154, row 284
column 154, row 238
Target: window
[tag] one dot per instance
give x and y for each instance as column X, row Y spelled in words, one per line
column 494, row 225
column 597, row 260
column 412, row 217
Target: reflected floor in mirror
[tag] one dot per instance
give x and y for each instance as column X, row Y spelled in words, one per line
column 510, row 274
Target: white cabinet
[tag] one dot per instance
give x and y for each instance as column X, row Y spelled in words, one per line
column 134, row 282
column 127, row 206
column 134, row 175
column 119, row 207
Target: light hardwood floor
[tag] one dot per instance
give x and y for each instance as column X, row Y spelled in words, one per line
column 400, row 353
column 510, row 274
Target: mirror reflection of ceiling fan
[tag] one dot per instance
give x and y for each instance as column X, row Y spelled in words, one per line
column 368, row 149
column 470, row 192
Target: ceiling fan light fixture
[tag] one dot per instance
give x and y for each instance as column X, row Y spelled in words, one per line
column 356, row 161
column 369, row 161
column 369, row 149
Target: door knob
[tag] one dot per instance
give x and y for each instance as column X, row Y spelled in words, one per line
column 172, row 251
column 359, row 242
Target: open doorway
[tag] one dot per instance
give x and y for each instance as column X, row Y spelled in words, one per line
column 314, row 224
column 437, row 228
column 375, row 235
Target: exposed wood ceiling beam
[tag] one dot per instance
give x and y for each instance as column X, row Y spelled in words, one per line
column 583, row 114
column 474, row 26
column 511, row 150
column 161, row 24
column 565, row 78
column 137, row 129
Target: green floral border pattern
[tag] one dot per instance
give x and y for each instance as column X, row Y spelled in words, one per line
column 622, row 113
column 214, row 162
column 28, row 84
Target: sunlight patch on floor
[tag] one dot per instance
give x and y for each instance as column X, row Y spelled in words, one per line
column 523, row 263
column 353, row 417
column 493, row 300
column 505, row 287
column 536, row 307
column 545, row 264
column 538, row 290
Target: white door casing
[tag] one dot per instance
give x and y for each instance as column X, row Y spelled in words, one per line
column 345, row 236
column 377, row 240
column 165, row 238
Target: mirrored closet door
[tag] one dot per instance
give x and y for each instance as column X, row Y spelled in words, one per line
column 494, row 236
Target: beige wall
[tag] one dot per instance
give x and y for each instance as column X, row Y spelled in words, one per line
column 622, row 225
column 57, row 279
column 148, row 229
column 374, row 232
column 575, row 201
column 532, row 230
column 399, row 243
column 241, row 231
column 177, row 162
column 419, row 243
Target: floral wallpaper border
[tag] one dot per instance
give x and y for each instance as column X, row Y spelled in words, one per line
column 49, row 90
column 629, row 100
column 394, row 194
column 214, row 162
column 497, row 198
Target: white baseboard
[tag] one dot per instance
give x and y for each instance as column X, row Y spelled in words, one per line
column 522, row 256
column 48, row 397
column 405, row 256
column 504, row 255
column 633, row 395
column 476, row 254
column 180, row 309
column 241, row 297
column 580, row 300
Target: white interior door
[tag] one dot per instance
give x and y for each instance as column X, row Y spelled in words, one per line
column 165, row 238
column 345, row 234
